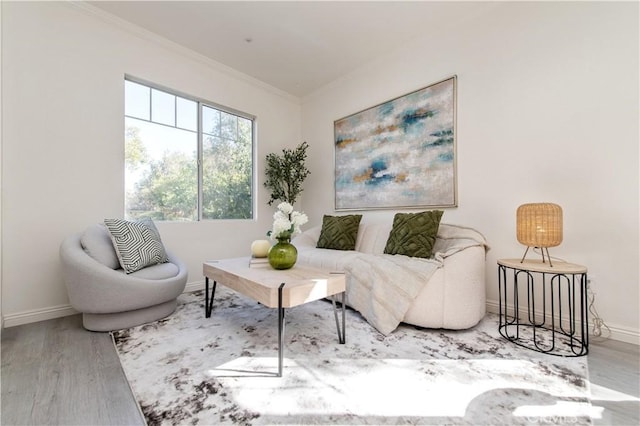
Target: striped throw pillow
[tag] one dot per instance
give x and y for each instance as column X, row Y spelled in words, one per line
column 137, row 244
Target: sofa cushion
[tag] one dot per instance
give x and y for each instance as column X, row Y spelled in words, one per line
column 328, row 260
column 339, row 232
column 96, row 242
column 137, row 244
column 414, row 234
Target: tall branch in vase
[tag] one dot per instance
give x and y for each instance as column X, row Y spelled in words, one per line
column 286, row 174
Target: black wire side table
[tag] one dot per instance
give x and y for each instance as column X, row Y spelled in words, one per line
column 544, row 308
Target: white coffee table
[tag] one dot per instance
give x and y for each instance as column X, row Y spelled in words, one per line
column 278, row 289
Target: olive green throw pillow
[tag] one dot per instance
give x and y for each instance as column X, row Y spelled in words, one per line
column 414, row 234
column 339, row 232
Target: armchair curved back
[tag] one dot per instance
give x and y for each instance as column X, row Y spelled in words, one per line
column 95, row 288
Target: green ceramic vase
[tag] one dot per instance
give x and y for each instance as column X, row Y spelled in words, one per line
column 283, row 255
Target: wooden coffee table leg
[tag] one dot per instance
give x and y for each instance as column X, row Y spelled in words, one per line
column 280, row 330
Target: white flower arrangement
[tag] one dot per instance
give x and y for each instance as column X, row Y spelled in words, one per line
column 286, row 222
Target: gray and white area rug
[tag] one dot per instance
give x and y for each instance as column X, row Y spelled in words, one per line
column 188, row 369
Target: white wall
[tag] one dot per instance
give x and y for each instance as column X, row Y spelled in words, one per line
column 62, row 164
column 547, row 111
column 0, row 166
column 535, row 80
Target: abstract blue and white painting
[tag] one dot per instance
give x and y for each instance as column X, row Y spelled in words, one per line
column 400, row 153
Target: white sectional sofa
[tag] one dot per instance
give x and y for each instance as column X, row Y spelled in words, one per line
column 446, row 291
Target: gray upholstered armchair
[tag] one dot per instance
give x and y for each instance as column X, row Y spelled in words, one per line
column 108, row 298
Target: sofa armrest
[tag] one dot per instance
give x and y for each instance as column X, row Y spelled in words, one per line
column 308, row 239
column 464, row 288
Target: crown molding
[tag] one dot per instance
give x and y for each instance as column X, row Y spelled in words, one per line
column 147, row 35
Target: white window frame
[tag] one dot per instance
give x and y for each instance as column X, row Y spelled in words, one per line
column 200, row 102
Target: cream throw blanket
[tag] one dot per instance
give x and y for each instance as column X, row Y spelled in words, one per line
column 382, row 287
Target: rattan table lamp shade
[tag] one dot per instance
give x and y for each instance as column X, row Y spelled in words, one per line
column 539, row 225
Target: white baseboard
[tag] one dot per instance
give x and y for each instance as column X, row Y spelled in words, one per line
column 621, row 334
column 194, row 286
column 26, row 317
column 36, row 315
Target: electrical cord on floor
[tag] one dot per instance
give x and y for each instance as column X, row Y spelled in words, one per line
column 598, row 323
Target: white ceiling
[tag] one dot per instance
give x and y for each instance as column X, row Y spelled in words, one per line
column 296, row 46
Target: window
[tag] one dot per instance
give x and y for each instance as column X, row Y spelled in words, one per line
column 185, row 159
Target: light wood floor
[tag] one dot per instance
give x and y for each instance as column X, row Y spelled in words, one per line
column 56, row 373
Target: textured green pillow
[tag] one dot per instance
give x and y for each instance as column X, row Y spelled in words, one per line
column 414, row 234
column 339, row 232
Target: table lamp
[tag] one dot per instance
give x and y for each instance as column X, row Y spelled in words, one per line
column 539, row 225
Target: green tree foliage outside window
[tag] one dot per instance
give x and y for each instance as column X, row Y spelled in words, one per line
column 162, row 161
column 227, row 172
column 167, row 192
